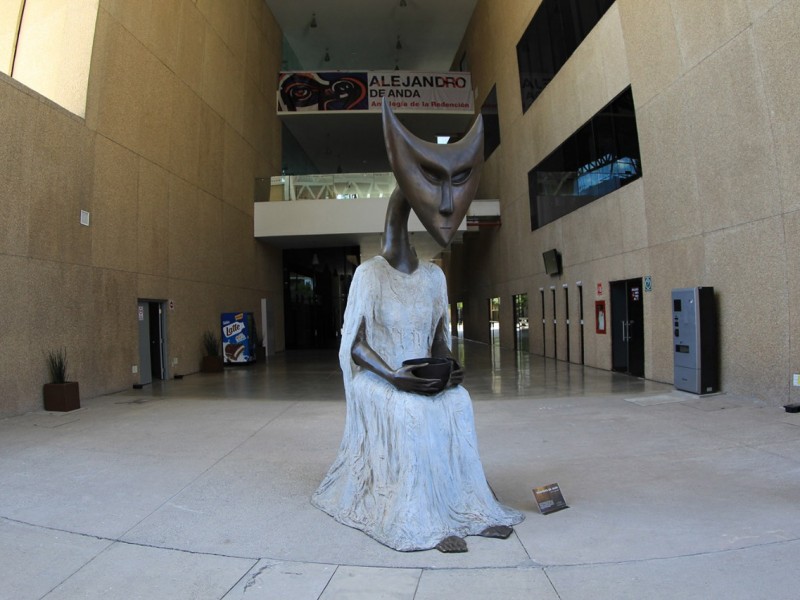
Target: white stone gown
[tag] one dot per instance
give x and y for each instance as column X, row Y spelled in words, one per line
column 408, row 471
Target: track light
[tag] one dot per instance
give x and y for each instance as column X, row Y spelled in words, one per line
column 313, row 20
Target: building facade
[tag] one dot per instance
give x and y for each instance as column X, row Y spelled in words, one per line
column 179, row 121
column 715, row 90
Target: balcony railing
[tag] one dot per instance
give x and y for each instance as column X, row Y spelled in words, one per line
column 365, row 196
column 336, row 186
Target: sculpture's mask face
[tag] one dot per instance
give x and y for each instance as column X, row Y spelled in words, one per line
column 438, row 180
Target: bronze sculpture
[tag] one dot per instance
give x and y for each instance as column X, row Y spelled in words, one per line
column 408, row 472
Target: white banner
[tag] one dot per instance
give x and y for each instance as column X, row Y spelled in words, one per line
column 365, row 91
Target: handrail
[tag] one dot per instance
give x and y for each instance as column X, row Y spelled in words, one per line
column 330, row 186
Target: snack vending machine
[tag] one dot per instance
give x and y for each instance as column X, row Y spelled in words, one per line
column 238, row 338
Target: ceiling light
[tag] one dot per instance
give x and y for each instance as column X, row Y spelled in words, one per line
column 313, row 20
column 399, row 46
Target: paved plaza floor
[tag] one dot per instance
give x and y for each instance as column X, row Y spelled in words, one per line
column 199, row 489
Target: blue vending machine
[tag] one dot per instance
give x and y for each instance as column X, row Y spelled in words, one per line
column 238, row 338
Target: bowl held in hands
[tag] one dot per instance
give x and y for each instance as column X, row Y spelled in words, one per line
column 432, row 368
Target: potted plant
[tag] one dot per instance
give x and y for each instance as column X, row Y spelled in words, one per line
column 60, row 395
column 212, row 361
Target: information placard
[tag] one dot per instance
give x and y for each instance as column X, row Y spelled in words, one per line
column 549, row 498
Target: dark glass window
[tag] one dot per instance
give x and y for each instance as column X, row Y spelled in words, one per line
column 602, row 156
column 555, row 32
column 491, row 124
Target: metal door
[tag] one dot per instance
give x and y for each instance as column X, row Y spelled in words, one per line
column 627, row 326
column 156, row 340
column 145, row 372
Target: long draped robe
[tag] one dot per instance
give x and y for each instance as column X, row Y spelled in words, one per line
column 408, row 471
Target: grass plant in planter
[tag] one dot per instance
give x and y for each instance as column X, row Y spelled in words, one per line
column 60, row 395
column 212, row 361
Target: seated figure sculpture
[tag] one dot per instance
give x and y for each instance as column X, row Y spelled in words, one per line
column 408, row 472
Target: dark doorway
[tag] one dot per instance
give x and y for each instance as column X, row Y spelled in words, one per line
column 555, row 321
column 544, row 321
column 494, row 321
column 566, row 316
column 460, row 319
column 315, row 285
column 152, row 342
column 627, row 327
column 580, row 309
column 521, row 325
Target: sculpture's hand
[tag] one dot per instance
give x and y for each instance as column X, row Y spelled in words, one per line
column 456, row 375
column 403, row 379
column 440, row 349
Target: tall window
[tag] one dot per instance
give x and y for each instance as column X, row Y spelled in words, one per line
column 47, row 45
column 602, row 156
column 491, row 124
column 555, row 32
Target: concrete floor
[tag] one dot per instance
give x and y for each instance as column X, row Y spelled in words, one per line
column 199, row 488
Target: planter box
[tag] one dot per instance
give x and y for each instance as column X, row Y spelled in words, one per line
column 212, row 364
column 61, row 397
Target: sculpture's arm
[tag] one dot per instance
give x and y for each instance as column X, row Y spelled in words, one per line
column 402, row 378
column 440, row 349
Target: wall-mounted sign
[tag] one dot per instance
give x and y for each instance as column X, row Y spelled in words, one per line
column 407, row 91
column 600, row 316
column 599, row 289
column 648, row 283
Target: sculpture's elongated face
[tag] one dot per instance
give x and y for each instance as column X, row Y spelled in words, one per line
column 438, row 180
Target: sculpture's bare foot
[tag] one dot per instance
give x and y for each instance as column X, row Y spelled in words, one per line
column 497, row 531
column 452, row 543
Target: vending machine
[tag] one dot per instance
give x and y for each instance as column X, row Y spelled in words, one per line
column 694, row 321
column 238, row 338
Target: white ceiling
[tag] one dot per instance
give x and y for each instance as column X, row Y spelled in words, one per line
column 362, row 35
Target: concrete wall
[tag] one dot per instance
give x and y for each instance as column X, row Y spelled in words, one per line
column 180, row 120
column 716, row 88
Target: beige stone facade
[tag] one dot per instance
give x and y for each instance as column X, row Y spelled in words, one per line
column 716, row 88
column 180, row 120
